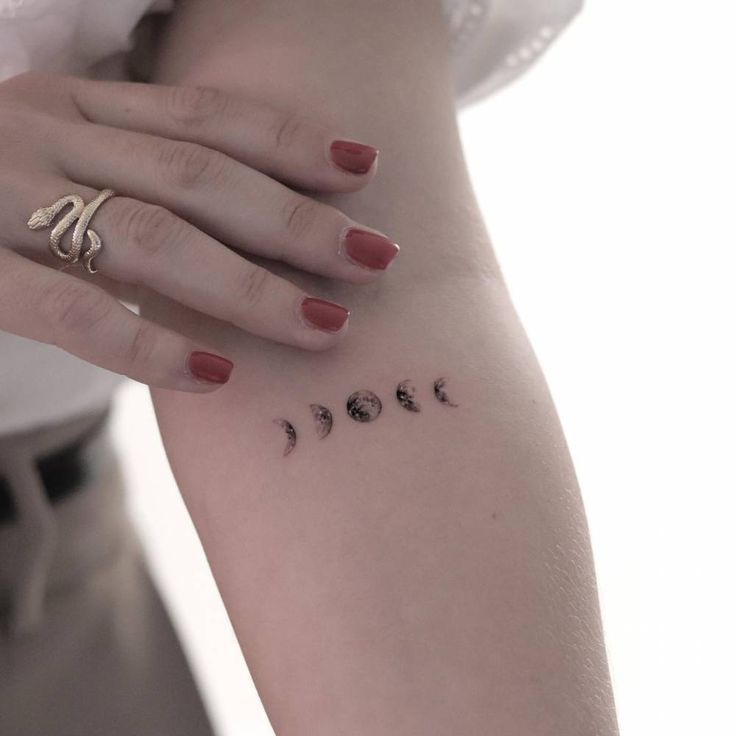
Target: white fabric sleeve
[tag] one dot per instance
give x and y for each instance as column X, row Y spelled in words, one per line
column 67, row 36
column 495, row 41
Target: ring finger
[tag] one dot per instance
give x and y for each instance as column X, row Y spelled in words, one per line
column 148, row 245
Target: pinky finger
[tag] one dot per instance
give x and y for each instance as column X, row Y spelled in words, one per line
column 49, row 306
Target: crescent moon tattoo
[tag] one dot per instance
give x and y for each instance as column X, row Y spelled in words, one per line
column 288, row 427
column 440, row 393
column 363, row 406
column 405, row 392
column 323, row 418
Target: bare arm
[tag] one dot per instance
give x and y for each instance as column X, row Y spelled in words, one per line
column 426, row 572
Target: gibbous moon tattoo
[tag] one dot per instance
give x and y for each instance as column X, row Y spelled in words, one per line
column 439, row 392
column 288, row 427
column 323, row 418
column 364, row 406
column 405, row 392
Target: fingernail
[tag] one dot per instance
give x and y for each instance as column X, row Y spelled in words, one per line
column 369, row 249
column 324, row 315
column 209, row 368
column 356, row 158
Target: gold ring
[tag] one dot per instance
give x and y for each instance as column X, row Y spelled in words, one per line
column 80, row 212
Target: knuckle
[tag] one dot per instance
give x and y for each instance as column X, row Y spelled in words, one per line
column 25, row 82
column 38, row 90
column 17, row 123
column 25, row 131
column 288, row 130
column 195, row 105
column 300, row 215
column 139, row 352
column 190, row 165
column 252, row 285
column 34, row 77
column 73, row 308
column 148, row 228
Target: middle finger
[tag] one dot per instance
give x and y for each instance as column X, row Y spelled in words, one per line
column 227, row 199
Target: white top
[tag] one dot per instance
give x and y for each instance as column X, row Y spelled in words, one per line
column 493, row 42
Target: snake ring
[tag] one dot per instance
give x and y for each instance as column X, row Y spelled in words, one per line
column 80, row 213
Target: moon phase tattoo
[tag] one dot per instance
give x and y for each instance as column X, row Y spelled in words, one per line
column 323, row 419
column 405, row 392
column 288, row 427
column 440, row 393
column 364, row 406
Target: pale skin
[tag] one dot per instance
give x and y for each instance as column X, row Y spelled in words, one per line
column 427, row 572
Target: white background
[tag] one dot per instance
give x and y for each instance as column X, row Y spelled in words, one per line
column 606, row 175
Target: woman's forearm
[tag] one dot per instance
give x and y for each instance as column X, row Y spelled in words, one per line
column 428, row 572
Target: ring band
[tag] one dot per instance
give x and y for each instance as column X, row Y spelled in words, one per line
column 80, row 213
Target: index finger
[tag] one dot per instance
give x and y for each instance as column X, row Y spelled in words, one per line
column 283, row 144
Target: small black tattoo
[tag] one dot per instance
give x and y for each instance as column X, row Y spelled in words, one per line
column 405, row 392
column 439, row 392
column 288, row 427
column 363, row 406
column 323, row 417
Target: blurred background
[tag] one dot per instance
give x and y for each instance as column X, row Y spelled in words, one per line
column 606, row 176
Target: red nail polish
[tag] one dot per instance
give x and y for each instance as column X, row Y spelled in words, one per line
column 356, row 158
column 209, row 368
column 324, row 315
column 369, row 249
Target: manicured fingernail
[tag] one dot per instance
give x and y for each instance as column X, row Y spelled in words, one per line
column 369, row 249
column 356, row 158
column 324, row 315
column 209, row 368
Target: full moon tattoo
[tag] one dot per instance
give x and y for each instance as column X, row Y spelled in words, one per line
column 363, row 406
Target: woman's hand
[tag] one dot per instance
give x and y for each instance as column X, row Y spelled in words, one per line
column 194, row 168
